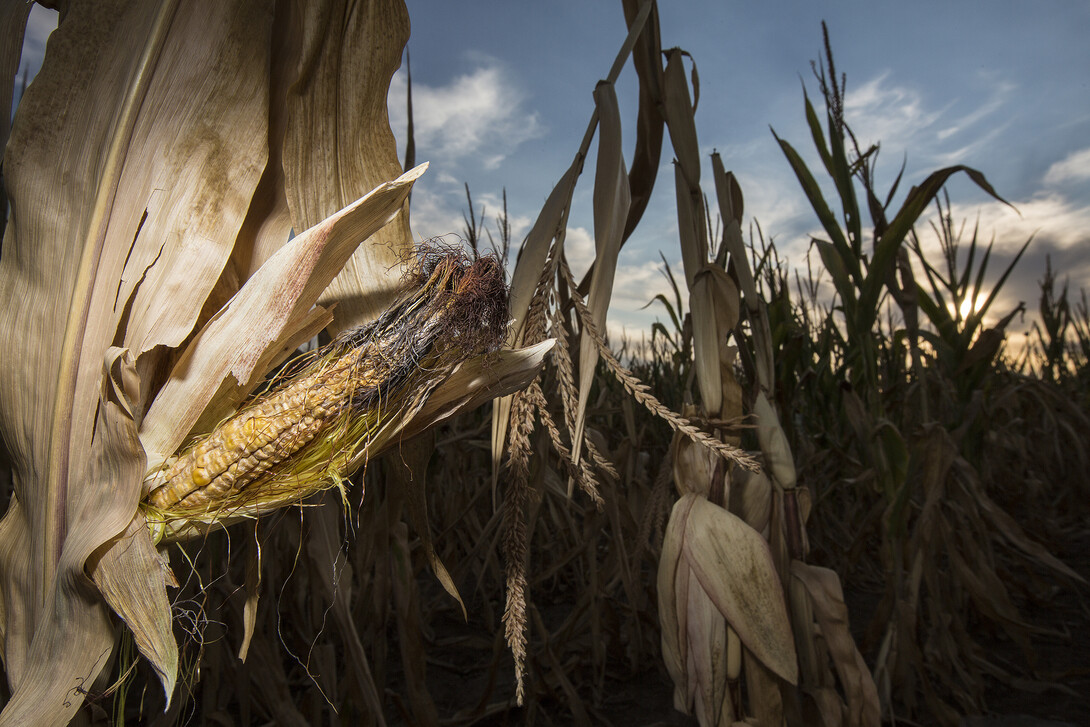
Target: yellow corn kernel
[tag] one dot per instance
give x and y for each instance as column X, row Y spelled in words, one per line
column 247, row 446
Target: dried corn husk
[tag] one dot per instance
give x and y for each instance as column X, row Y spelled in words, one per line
column 711, row 556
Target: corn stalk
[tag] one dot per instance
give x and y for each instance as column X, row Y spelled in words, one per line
column 739, row 606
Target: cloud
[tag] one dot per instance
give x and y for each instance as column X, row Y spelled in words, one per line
column 900, row 118
column 1050, row 216
column 999, row 96
column 481, row 114
column 1074, row 168
column 637, row 284
column 432, row 217
column 579, row 249
column 881, row 111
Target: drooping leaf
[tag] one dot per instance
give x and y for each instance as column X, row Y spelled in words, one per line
column 832, row 615
column 915, row 203
column 612, row 199
column 127, row 570
column 671, row 591
column 678, row 109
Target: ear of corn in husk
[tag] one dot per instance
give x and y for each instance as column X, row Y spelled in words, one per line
column 336, row 405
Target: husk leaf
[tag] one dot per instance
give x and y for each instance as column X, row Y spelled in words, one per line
column 733, row 564
column 255, row 320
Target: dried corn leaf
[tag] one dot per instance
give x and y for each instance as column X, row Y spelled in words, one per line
column 127, row 570
column 706, row 661
column 691, row 229
column 729, row 196
column 813, row 671
column 253, row 593
column 611, row 202
column 328, row 563
column 1016, row 536
column 763, row 690
column 53, row 251
column 678, row 109
column 694, row 466
column 133, row 580
column 647, row 59
column 72, row 634
column 63, row 286
column 535, row 250
column 524, row 280
column 410, row 630
column 860, row 692
column 478, row 381
column 713, row 298
column 702, row 303
column 751, row 499
column 162, row 186
column 202, row 144
column 715, row 570
column 731, row 205
column 777, row 452
column 337, row 141
column 673, row 584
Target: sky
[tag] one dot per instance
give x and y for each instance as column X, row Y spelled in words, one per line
column 502, row 98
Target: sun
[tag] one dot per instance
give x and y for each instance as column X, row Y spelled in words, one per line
column 968, row 307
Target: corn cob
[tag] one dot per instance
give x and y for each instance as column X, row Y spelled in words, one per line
column 301, row 435
column 251, row 443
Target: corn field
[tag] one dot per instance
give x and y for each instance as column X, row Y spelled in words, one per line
column 269, row 459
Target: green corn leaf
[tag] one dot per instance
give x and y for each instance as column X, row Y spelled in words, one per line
column 842, row 177
column 983, row 309
column 842, row 280
column 817, row 200
column 817, row 133
column 885, row 253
